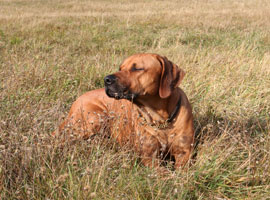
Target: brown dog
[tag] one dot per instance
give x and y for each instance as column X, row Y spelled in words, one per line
column 142, row 106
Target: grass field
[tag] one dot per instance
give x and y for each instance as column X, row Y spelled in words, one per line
column 53, row 51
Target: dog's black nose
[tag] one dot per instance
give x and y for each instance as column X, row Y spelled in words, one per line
column 109, row 80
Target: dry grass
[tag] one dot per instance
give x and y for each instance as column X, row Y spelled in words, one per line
column 53, row 51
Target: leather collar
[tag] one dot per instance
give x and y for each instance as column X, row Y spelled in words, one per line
column 175, row 111
column 148, row 118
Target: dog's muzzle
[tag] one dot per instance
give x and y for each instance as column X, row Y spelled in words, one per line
column 115, row 90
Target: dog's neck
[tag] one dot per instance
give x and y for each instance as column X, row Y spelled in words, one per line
column 159, row 110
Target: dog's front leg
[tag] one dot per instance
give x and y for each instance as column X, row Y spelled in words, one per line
column 181, row 147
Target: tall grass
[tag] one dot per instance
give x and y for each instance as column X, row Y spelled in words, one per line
column 53, row 51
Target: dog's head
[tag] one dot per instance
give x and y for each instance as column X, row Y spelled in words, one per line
column 142, row 75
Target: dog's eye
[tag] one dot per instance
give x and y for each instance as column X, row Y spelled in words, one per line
column 134, row 68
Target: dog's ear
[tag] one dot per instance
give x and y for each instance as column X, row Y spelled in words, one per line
column 171, row 77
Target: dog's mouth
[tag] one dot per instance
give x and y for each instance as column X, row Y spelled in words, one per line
column 120, row 94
